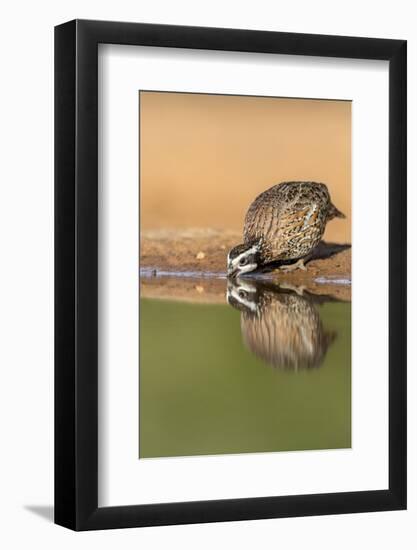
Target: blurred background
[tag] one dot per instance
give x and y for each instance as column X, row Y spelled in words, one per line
column 204, row 158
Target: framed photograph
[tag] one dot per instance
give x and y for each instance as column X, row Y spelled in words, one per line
column 230, row 248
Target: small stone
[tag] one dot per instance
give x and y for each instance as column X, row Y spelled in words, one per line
column 199, row 289
column 200, row 256
column 223, row 247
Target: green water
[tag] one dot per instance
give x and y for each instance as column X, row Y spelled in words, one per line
column 211, row 381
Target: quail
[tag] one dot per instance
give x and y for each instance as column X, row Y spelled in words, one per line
column 284, row 223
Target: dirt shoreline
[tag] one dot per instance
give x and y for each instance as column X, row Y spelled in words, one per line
column 191, row 265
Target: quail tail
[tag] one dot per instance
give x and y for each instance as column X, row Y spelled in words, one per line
column 334, row 212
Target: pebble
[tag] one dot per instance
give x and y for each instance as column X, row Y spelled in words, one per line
column 200, row 256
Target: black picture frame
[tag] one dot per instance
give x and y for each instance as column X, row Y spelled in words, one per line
column 76, row 272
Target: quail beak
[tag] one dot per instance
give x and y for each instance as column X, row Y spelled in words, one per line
column 232, row 271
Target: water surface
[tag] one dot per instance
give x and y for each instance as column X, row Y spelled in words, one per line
column 262, row 370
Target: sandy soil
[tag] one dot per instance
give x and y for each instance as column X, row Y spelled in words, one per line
column 191, row 264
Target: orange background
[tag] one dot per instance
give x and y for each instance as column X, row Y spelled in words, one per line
column 204, row 158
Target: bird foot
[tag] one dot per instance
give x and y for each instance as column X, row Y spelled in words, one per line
column 292, row 267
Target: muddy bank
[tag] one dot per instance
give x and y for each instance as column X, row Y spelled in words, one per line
column 192, row 250
column 201, row 290
column 191, row 265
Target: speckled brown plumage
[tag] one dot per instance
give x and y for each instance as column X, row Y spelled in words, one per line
column 289, row 219
column 281, row 328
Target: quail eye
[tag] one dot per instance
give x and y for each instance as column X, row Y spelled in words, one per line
column 242, row 294
column 243, row 261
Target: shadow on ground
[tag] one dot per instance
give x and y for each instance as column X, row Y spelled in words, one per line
column 45, row 512
column 323, row 251
column 326, row 250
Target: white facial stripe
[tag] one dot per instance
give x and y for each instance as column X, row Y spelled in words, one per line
column 247, row 252
column 246, row 303
column 246, row 287
column 246, row 268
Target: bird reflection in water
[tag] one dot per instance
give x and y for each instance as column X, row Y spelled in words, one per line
column 280, row 326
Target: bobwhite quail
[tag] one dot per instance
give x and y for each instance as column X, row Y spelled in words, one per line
column 284, row 223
